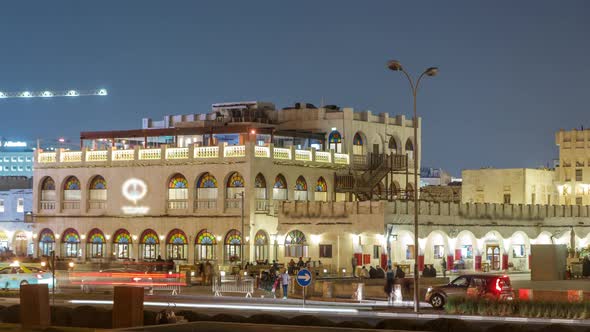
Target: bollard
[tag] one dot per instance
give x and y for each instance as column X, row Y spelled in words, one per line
column 34, row 306
column 358, row 291
column 397, row 293
column 327, row 290
column 127, row 306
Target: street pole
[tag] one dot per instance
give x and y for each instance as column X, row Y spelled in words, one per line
column 431, row 71
column 243, row 237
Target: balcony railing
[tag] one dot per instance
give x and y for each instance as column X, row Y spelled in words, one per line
column 233, row 203
column 262, row 205
column 47, row 205
column 71, row 205
column 177, row 204
column 191, row 153
column 97, row 205
column 205, row 204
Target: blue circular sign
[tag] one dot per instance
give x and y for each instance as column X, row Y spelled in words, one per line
column 304, row 278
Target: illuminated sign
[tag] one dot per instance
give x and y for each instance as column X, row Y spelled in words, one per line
column 11, row 144
column 134, row 190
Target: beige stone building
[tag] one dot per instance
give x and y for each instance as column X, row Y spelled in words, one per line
column 573, row 172
column 510, row 186
column 174, row 188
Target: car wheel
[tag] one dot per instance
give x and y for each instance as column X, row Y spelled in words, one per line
column 24, row 282
column 437, row 301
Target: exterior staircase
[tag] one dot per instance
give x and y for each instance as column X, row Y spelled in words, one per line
column 362, row 182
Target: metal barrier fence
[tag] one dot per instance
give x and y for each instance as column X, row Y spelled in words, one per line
column 233, row 285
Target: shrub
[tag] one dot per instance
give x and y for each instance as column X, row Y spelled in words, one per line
column 61, row 316
column 149, row 317
column 229, row 318
column 532, row 309
column 355, row 325
column 268, row 319
column 87, row 316
column 193, row 316
column 447, row 325
column 11, row 314
column 398, row 324
column 308, row 320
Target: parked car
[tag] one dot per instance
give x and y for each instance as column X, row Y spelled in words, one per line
column 471, row 285
column 13, row 276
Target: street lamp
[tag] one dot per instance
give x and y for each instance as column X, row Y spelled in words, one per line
column 431, row 71
column 241, row 194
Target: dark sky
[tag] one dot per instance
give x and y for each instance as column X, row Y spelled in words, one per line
column 511, row 72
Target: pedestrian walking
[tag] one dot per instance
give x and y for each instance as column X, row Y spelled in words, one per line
column 443, row 265
column 285, row 283
column 389, row 281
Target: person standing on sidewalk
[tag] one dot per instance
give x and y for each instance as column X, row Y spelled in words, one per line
column 443, row 264
column 284, row 277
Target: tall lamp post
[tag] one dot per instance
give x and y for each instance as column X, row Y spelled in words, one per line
column 431, row 71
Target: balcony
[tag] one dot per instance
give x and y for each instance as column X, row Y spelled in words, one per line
column 47, row 205
column 71, row 205
column 233, row 203
column 97, row 205
column 262, row 205
column 177, row 204
column 205, row 204
column 168, row 155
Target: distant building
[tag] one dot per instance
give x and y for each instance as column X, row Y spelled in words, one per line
column 509, row 186
column 448, row 193
column 16, row 159
column 573, row 172
column 434, row 177
column 15, row 234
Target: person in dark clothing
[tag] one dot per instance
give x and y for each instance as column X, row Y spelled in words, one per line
column 372, row 273
column 389, row 281
column 443, row 264
column 380, row 273
column 301, row 263
column 399, row 273
column 159, row 263
column 586, row 267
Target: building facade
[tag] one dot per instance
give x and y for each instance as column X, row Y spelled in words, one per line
column 510, row 186
column 175, row 188
column 15, row 233
column 573, row 171
column 16, row 159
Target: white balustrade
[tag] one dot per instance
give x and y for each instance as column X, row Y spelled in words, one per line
column 234, row 151
column 341, row 158
column 123, row 155
column 71, row 156
column 47, row 157
column 47, row 205
column 207, row 152
column 177, row 153
column 150, row 154
column 323, row 157
column 262, row 151
column 100, row 155
column 303, row 155
column 281, row 153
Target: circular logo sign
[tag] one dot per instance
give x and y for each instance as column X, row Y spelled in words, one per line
column 134, row 189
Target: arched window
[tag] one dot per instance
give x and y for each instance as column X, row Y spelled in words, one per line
column 296, row 244
column 233, row 241
column 410, row 149
column 358, row 146
column 177, row 192
column 98, row 193
column 279, row 190
column 205, row 244
column 70, row 243
column 122, row 244
column 21, row 241
column 234, row 188
column 393, row 145
column 321, row 190
column 378, row 191
column 394, row 189
column 206, row 192
column 72, row 193
column 46, row 242
column 176, row 245
column 149, row 245
column 260, row 193
column 48, row 194
column 300, row 193
column 95, row 244
column 335, row 141
column 261, row 246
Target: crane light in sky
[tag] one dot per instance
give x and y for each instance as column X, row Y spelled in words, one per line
column 51, row 94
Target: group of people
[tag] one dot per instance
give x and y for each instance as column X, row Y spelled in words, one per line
column 292, row 267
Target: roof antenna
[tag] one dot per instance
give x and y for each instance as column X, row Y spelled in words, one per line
column 322, row 102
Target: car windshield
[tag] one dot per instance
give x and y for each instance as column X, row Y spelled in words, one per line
column 460, row 282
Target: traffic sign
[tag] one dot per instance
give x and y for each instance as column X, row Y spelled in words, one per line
column 304, row 278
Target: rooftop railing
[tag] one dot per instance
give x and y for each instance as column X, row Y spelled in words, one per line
column 204, row 153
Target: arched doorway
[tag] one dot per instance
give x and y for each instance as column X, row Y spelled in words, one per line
column 70, row 241
column 149, row 245
column 205, row 244
column 122, row 244
column 20, row 243
column 233, row 241
column 176, row 245
column 46, row 242
column 261, row 246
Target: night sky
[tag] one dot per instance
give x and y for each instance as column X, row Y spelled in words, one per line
column 511, row 72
